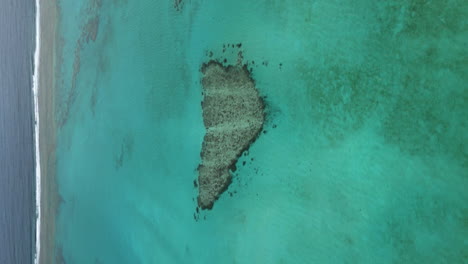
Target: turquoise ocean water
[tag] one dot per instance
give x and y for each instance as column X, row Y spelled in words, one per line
column 364, row 158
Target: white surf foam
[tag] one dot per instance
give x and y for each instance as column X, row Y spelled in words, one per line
column 35, row 89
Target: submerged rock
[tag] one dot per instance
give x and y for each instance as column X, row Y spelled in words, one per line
column 233, row 114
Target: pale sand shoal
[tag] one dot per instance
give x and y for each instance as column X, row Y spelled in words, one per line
column 47, row 130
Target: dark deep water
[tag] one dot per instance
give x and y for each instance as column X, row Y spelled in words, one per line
column 17, row 180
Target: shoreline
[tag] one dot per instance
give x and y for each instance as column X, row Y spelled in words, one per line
column 45, row 130
column 36, row 133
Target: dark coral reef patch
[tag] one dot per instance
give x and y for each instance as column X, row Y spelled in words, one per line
column 233, row 115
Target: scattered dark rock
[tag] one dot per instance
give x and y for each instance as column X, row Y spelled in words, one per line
column 126, row 149
column 233, row 167
column 178, row 4
column 240, row 58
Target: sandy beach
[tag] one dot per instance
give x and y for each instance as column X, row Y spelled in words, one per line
column 47, row 139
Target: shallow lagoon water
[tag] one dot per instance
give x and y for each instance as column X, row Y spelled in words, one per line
column 363, row 158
